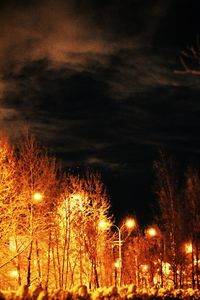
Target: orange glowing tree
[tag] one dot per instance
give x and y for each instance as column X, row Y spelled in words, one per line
column 82, row 203
column 8, row 207
column 36, row 183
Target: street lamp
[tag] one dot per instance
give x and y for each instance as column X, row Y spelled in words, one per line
column 36, row 198
column 188, row 248
column 151, row 232
column 130, row 224
column 14, row 273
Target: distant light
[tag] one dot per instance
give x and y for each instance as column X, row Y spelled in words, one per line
column 151, row 232
column 188, row 248
column 144, row 268
column 117, row 264
column 130, row 223
column 38, row 197
column 104, row 225
column 166, row 268
column 13, row 273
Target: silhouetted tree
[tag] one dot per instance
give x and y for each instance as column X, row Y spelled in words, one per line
column 190, row 60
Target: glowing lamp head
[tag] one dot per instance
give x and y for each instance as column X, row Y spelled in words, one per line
column 104, row 225
column 130, row 223
column 188, row 247
column 14, row 273
column 151, row 232
column 117, row 264
column 37, row 197
column 144, row 268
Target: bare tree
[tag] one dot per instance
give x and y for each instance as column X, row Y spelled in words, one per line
column 7, row 185
column 79, row 244
column 9, row 210
column 190, row 60
column 96, row 208
column 192, row 219
column 51, row 221
column 37, row 182
column 168, row 192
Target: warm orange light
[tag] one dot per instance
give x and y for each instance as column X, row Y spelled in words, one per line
column 37, row 197
column 188, row 247
column 13, row 273
column 166, row 268
column 144, row 268
column 151, row 232
column 117, row 264
column 130, row 223
column 104, row 225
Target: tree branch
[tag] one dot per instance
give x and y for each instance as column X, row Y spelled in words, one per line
column 7, row 262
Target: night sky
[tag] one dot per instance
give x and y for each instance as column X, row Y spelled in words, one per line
column 95, row 82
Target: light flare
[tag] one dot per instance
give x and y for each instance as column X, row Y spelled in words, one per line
column 188, row 248
column 37, row 197
column 14, row 273
column 130, row 223
column 151, row 232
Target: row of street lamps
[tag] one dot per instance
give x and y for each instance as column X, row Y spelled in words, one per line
column 130, row 224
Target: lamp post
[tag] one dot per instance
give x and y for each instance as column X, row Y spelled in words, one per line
column 119, row 264
column 151, row 234
column 130, row 224
column 36, row 198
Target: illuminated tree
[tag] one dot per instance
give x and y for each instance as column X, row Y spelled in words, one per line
column 8, row 205
column 131, row 260
column 7, row 185
column 63, row 245
column 51, row 220
column 78, row 244
column 168, row 192
column 96, row 208
column 37, row 183
column 192, row 219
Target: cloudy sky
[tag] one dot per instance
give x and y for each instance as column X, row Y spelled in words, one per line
column 95, row 82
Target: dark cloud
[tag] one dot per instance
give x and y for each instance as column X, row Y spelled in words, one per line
column 75, row 112
column 47, row 31
column 74, row 32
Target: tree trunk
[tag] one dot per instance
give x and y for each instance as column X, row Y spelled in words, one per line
column 29, row 264
column 48, row 260
column 38, row 260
